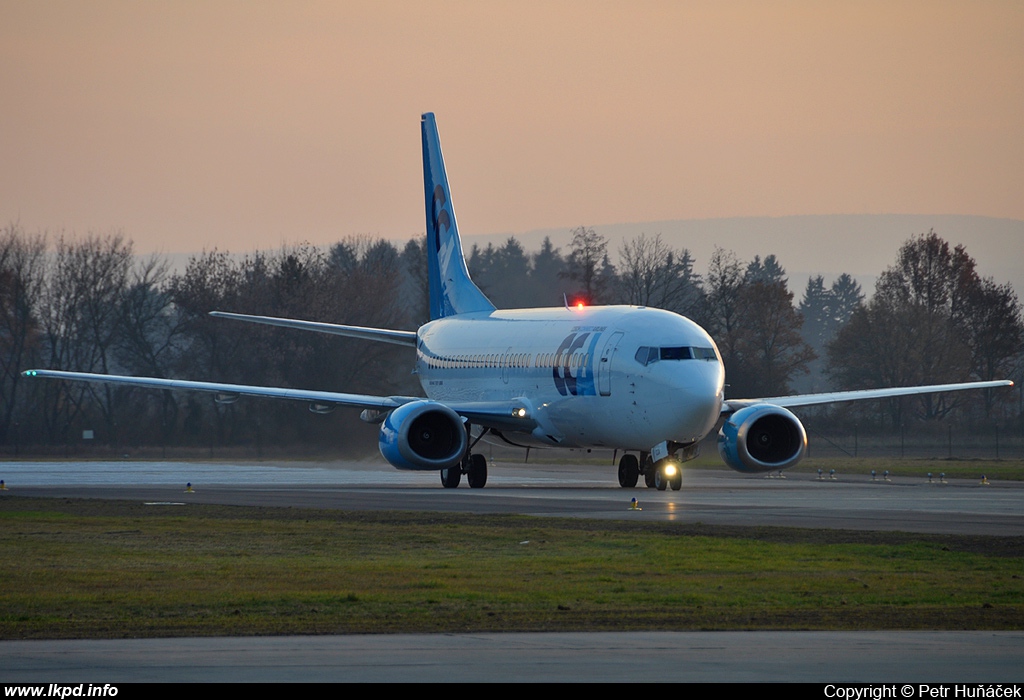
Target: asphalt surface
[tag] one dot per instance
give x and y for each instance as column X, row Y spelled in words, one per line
column 853, row 502
column 709, row 657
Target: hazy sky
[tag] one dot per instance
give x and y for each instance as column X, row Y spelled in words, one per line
column 249, row 124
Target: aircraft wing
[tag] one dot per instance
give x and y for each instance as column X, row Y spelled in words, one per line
column 500, row 415
column 383, row 335
column 733, row 405
column 229, row 392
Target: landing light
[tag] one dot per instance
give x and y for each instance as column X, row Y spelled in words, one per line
column 671, row 470
column 519, row 412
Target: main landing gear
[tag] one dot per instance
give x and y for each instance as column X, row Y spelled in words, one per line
column 474, row 466
column 629, row 471
column 450, row 478
column 664, row 473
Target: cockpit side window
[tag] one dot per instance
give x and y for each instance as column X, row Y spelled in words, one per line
column 646, row 355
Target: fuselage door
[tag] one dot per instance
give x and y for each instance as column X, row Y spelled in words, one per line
column 604, row 366
column 505, row 360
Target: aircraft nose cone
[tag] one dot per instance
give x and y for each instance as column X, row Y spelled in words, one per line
column 698, row 399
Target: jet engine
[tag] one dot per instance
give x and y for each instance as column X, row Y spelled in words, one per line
column 423, row 435
column 762, row 438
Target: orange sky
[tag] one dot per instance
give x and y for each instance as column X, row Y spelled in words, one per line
column 246, row 124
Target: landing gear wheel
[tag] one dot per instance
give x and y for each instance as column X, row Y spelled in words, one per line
column 450, row 478
column 649, row 473
column 629, row 471
column 676, row 482
column 660, row 480
column 477, row 473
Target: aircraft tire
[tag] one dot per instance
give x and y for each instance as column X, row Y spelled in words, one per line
column 649, row 473
column 629, row 471
column 676, row 482
column 660, row 480
column 450, row 478
column 477, row 474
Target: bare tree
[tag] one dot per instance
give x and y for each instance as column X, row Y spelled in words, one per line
column 723, row 302
column 22, row 276
column 653, row 274
column 81, row 317
column 151, row 338
column 588, row 264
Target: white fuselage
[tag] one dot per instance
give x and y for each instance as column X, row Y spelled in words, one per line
column 578, row 371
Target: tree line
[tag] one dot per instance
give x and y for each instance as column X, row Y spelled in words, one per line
column 89, row 304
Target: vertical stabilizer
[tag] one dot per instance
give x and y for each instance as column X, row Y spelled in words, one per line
column 451, row 289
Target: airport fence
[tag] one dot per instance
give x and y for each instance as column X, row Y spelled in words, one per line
column 908, row 443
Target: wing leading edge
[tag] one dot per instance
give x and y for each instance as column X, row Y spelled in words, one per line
column 231, row 391
column 384, row 335
column 733, row 405
column 500, row 415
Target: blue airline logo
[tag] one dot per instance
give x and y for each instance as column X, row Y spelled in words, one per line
column 442, row 227
column 439, row 214
column 581, row 383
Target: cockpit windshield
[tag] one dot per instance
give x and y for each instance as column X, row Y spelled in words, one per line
column 647, row 355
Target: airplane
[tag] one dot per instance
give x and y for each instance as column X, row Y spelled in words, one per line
column 646, row 382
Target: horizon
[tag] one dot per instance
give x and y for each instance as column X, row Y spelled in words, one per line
column 855, row 248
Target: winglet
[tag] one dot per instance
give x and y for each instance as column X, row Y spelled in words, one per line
column 451, row 289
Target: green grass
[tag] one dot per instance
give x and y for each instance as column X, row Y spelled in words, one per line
column 973, row 469
column 85, row 568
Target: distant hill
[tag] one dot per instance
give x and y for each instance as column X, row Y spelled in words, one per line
column 862, row 245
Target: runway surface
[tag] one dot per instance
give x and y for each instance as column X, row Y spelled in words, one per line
column 590, row 491
column 578, row 491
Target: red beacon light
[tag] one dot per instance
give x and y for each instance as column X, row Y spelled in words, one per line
column 579, row 303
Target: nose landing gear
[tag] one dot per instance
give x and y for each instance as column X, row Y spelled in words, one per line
column 667, row 475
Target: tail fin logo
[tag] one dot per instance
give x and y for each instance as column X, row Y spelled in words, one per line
column 440, row 214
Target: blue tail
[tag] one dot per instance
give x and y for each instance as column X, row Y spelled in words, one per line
column 451, row 289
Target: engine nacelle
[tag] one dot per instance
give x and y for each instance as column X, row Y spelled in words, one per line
column 423, row 435
column 762, row 438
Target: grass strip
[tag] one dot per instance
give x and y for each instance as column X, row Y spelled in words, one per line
column 851, row 467
column 81, row 568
